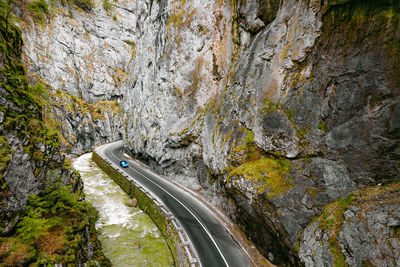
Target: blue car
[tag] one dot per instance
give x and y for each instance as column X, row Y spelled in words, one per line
column 123, row 164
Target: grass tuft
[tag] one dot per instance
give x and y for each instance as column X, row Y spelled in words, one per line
column 38, row 9
column 331, row 221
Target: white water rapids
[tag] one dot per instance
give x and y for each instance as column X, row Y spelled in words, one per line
column 128, row 235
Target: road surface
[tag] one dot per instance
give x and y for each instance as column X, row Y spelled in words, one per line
column 214, row 245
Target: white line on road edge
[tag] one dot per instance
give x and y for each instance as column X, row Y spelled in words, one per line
column 217, row 213
column 192, row 255
column 197, row 219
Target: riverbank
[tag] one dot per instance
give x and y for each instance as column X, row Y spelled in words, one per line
column 127, row 234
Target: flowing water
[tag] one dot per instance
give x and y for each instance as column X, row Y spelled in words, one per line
column 128, row 235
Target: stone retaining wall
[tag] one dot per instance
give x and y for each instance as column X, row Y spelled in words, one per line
column 181, row 248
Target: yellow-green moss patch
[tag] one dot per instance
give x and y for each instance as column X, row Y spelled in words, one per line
column 270, row 171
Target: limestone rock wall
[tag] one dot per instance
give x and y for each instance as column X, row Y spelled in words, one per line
column 272, row 109
column 84, row 58
column 31, row 165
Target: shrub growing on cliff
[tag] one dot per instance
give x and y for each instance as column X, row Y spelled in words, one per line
column 31, row 229
column 39, row 93
column 84, row 4
column 331, row 221
column 6, row 16
column 322, row 126
column 52, row 223
column 43, row 211
column 38, row 9
column 53, row 228
column 107, row 5
column 249, row 139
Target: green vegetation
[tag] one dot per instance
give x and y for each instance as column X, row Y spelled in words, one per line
column 268, row 171
column 39, row 93
column 147, row 205
column 270, row 106
column 301, row 132
column 184, row 130
column 249, row 139
column 331, row 220
column 322, row 126
column 86, row 5
column 332, row 216
column 51, row 230
column 5, row 152
column 53, row 227
column 271, row 171
column 38, row 9
column 338, row 2
column 131, row 43
column 107, row 5
column 25, row 115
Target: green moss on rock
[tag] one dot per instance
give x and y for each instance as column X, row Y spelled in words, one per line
column 51, row 230
column 331, row 221
column 53, row 227
column 322, row 126
column 332, row 218
column 270, row 171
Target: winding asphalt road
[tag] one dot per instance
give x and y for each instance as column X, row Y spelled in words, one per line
column 214, row 245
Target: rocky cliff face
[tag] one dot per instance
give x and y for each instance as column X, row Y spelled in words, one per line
column 39, row 193
column 85, row 61
column 275, row 110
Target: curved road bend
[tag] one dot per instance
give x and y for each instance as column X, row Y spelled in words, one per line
column 214, row 245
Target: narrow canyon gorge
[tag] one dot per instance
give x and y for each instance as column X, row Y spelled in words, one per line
column 283, row 114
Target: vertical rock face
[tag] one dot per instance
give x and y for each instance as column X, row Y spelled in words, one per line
column 85, row 60
column 273, row 109
column 42, row 217
column 346, row 227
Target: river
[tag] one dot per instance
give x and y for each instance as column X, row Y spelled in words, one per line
column 128, row 235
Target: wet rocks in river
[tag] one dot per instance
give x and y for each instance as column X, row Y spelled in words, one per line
column 131, row 203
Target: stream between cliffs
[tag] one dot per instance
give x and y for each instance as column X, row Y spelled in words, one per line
column 128, row 235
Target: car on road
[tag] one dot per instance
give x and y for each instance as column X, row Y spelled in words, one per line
column 123, row 164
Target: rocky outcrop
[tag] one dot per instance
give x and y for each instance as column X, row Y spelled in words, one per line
column 82, row 125
column 39, row 193
column 84, row 60
column 331, row 107
column 357, row 230
column 272, row 109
